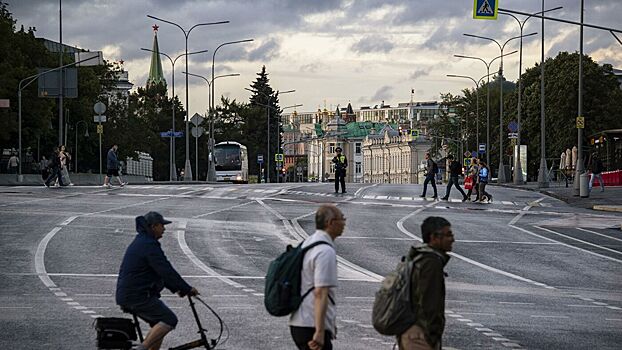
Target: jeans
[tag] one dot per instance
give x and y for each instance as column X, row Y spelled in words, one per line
column 429, row 178
column 453, row 181
column 56, row 173
column 600, row 181
column 482, row 191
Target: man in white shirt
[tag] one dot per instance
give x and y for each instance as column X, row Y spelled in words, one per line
column 313, row 325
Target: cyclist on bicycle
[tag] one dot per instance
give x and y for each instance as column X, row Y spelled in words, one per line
column 144, row 272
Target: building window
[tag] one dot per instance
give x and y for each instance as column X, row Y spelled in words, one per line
column 331, row 148
column 357, row 148
column 358, row 168
column 332, row 168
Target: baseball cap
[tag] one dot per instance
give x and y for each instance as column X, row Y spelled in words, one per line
column 153, row 217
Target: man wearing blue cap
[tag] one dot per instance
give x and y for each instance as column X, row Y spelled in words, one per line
column 144, row 272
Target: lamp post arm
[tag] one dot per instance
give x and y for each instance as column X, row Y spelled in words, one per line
column 35, row 76
column 205, row 24
column 169, row 22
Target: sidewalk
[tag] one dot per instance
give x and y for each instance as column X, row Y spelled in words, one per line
column 610, row 200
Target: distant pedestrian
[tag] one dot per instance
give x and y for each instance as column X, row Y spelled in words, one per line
column 65, row 158
column 483, row 178
column 428, row 277
column 43, row 168
column 313, row 325
column 13, row 164
column 474, row 175
column 341, row 164
column 112, row 166
column 55, row 169
column 455, row 171
column 431, row 169
column 596, row 166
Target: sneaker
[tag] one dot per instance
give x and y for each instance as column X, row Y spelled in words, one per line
column 422, row 196
column 107, row 185
column 490, row 199
column 46, row 185
column 445, row 198
column 123, row 184
column 342, row 192
column 435, row 197
column 602, row 190
column 465, row 199
column 71, row 184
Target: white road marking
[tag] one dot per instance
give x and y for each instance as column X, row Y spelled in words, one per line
column 548, row 316
column 585, row 242
column 599, row 234
column 16, row 307
column 221, row 210
column 39, row 258
column 515, row 303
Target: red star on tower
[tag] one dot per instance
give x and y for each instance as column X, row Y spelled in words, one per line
column 155, row 27
column 121, row 61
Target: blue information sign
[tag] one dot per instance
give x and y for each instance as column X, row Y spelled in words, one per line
column 485, row 9
column 482, row 148
column 170, row 133
column 513, row 126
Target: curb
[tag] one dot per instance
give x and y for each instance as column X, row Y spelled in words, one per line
column 612, row 208
column 548, row 193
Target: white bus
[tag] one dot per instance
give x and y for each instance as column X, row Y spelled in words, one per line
column 231, row 162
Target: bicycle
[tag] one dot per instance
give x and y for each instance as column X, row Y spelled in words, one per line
column 119, row 333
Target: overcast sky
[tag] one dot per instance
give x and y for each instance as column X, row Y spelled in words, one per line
column 330, row 51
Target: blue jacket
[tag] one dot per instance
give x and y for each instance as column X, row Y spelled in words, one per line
column 145, row 270
column 483, row 174
column 112, row 162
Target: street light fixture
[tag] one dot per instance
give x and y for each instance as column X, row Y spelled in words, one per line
column 210, row 122
column 501, row 174
column 518, row 172
column 188, row 167
column 268, row 166
column 172, row 166
column 487, row 64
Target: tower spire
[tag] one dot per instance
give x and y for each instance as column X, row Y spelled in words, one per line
column 156, row 76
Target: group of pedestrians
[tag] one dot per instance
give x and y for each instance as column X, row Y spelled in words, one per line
column 56, row 169
column 145, row 272
column 476, row 180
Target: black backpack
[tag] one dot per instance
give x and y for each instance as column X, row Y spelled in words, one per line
column 434, row 167
column 115, row 332
column 282, row 290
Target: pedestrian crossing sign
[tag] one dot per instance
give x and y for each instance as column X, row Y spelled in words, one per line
column 485, row 9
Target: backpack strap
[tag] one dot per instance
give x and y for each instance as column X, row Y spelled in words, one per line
column 304, row 251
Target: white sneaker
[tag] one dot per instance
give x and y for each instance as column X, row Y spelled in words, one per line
column 107, row 185
column 123, row 184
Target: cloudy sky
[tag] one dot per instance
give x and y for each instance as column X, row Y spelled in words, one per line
column 331, row 51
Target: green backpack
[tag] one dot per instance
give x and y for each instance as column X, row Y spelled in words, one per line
column 282, row 290
column 393, row 311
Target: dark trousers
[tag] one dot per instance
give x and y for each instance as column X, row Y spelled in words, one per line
column 303, row 335
column 482, row 191
column 56, row 172
column 453, row 181
column 340, row 177
column 431, row 178
column 474, row 188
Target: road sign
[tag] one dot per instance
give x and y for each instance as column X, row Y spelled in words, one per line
column 513, row 135
column 278, row 157
column 4, row 103
column 98, row 118
column 99, row 108
column 174, row 134
column 197, row 119
column 482, row 148
column 100, row 129
column 466, row 162
column 467, row 154
column 485, row 9
column 513, row 126
column 197, row 131
column 580, row 123
column 260, row 158
column 414, row 133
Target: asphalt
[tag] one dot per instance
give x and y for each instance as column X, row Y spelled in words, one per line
column 528, row 271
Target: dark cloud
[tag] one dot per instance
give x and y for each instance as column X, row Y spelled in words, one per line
column 418, row 73
column 383, row 94
column 373, row 44
column 266, row 51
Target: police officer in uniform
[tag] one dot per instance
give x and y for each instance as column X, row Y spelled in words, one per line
column 341, row 163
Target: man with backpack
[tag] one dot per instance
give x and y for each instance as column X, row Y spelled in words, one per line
column 313, row 324
column 411, row 301
column 431, row 169
column 455, row 171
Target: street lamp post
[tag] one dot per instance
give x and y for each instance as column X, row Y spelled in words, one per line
column 487, row 64
column 211, row 171
column 188, row 166
column 543, row 179
column 268, row 166
column 172, row 166
column 210, row 122
column 518, row 171
column 501, row 174
column 86, row 134
column 476, row 104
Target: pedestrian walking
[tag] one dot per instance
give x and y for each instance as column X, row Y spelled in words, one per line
column 143, row 274
column 474, row 175
column 65, row 158
column 112, row 167
column 596, row 166
column 55, row 167
column 428, row 279
column 341, row 164
column 13, row 164
column 431, row 169
column 313, row 325
column 455, row 171
column 483, row 178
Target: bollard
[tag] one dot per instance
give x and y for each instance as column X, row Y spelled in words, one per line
column 584, row 191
